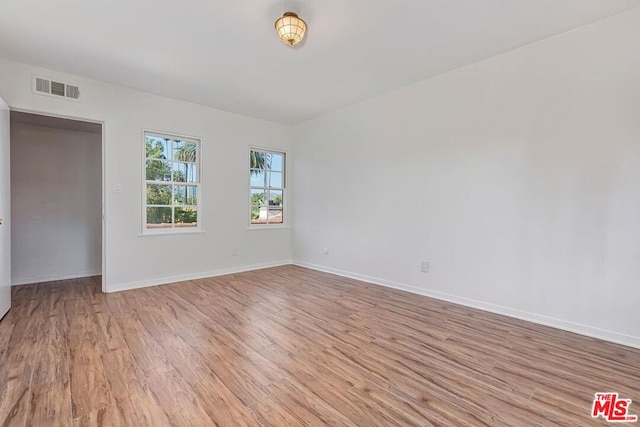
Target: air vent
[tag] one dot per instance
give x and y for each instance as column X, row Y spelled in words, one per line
column 72, row 92
column 48, row 87
column 43, row 85
column 57, row 88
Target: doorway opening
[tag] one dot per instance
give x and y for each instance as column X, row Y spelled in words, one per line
column 56, row 198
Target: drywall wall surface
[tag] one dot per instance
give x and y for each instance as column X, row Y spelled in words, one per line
column 56, row 203
column 516, row 178
column 133, row 260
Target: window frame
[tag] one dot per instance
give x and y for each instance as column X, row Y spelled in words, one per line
column 198, row 184
column 285, row 201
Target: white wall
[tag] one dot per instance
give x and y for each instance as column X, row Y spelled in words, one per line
column 516, row 178
column 56, row 203
column 133, row 260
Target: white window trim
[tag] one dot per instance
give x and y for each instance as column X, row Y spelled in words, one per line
column 173, row 230
column 285, row 178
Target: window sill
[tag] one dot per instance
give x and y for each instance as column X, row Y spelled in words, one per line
column 172, row 233
column 268, row 227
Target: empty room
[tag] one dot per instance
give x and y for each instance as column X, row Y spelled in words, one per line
column 343, row 213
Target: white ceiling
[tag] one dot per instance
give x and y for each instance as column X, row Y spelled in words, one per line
column 226, row 54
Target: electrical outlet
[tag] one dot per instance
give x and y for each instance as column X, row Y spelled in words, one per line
column 325, row 251
column 424, row 266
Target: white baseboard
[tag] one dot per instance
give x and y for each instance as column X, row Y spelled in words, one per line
column 577, row 328
column 193, row 276
column 54, row 277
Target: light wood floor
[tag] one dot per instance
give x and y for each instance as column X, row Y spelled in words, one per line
column 290, row 346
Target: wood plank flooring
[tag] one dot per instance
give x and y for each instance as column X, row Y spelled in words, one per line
column 291, row 346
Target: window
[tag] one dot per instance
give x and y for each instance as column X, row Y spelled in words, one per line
column 172, row 183
column 267, row 186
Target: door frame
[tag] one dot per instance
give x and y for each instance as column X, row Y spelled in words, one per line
column 104, row 191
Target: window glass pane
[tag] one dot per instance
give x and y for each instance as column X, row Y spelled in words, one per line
column 275, row 198
column 158, row 194
column 275, row 215
column 184, row 151
column 158, row 217
column 275, row 179
column 259, row 214
column 186, row 195
column 259, row 160
column 158, row 170
column 192, row 195
column 192, row 172
column 187, row 217
column 257, row 178
column 277, row 162
column 179, row 172
column 184, row 172
column 258, row 209
column 157, row 148
column 258, row 197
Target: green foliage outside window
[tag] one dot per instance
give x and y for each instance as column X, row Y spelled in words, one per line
column 159, row 168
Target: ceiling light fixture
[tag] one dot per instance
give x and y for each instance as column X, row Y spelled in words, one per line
column 290, row 28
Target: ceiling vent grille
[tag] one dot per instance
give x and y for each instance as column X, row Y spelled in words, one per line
column 48, row 87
